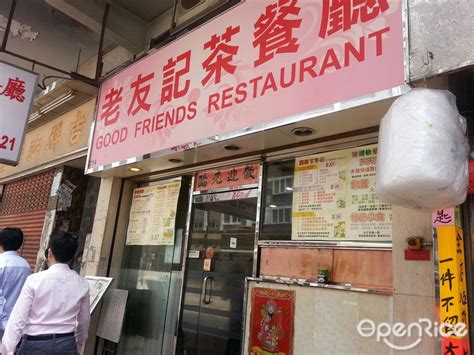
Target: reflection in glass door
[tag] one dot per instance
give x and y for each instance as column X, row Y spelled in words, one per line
column 223, row 230
column 153, row 277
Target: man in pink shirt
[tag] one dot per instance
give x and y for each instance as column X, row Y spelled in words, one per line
column 51, row 315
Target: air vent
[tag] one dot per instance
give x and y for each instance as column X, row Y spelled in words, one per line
column 189, row 4
column 189, row 11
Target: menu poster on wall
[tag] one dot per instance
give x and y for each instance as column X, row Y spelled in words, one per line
column 334, row 197
column 153, row 214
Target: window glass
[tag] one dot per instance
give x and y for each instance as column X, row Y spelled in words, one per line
column 152, row 276
column 277, row 200
column 328, row 196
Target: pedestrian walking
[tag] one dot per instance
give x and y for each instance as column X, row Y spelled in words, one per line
column 51, row 315
column 13, row 272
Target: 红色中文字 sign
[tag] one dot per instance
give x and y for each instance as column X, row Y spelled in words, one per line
column 334, row 197
column 17, row 88
column 262, row 61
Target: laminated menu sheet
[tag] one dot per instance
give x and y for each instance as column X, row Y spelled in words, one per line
column 153, row 214
column 334, row 197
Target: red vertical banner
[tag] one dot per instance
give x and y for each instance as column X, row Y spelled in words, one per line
column 454, row 346
column 271, row 322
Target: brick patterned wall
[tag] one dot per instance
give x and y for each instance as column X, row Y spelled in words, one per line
column 26, row 195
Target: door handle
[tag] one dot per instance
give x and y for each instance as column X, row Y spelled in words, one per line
column 207, row 298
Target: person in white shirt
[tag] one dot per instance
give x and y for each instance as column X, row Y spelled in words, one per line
column 51, row 315
column 13, row 272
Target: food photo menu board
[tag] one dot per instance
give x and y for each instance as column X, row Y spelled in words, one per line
column 334, row 197
column 153, row 214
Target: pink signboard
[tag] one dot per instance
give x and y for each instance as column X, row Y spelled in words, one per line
column 17, row 88
column 259, row 62
column 446, row 217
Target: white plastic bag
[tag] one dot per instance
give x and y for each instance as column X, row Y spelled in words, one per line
column 422, row 160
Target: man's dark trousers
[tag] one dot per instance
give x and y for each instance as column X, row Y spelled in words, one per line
column 54, row 346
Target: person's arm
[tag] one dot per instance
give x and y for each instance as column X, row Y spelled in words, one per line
column 3, row 301
column 18, row 318
column 83, row 320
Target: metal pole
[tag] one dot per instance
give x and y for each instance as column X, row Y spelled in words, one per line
column 36, row 62
column 78, row 61
column 98, row 69
column 9, row 23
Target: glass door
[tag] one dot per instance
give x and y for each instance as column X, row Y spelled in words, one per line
column 220, row 256
column 152, row 274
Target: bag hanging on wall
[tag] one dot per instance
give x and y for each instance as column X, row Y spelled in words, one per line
column 423, row 152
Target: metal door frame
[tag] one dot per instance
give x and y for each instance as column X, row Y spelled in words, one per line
column 189, row 216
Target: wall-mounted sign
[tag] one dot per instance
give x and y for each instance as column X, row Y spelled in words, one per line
column 447, row 217
column 65, row 135
column 334, row 197
column 260, row 62
column 453, row 298
column 153, row 214
column 17, row 87
column 229, row 177
column 453, row 307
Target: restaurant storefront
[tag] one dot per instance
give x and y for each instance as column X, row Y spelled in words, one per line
column 48, row 191
column 245, row 225
column 239, row 207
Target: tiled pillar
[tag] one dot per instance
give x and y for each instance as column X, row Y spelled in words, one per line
column 413, row 281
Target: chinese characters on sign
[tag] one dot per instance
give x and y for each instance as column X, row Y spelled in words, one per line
column 153, row 214
column 340, row 16
column 259, row 62
column 454, row 307
column 76, row 128
column 235, row 176
column 14, row 89
column 62, row 136
column 334, row 197
column 446, row 217
column 16, row 95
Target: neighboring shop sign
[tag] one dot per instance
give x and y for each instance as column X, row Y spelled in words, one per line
column 64, row 135
column 271, row 321
column 153, row 214
column 454, row 306
column 234, row 176
column 334, row 197
column 447, row 217
column 17, row 87
column 259, row 62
